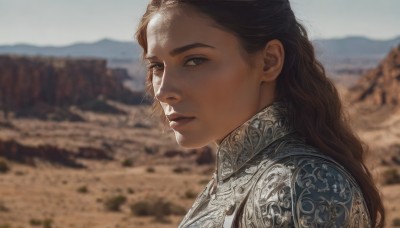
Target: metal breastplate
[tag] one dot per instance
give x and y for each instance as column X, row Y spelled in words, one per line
column 267, row 176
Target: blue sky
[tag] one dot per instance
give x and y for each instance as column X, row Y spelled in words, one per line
column 60, row 22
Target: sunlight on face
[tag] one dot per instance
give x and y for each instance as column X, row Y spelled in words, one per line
column 201, row 79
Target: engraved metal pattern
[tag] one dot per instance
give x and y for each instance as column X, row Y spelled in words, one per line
column 266, row 176
column 250, row 138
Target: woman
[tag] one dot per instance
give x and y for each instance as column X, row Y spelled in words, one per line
column 243, row 74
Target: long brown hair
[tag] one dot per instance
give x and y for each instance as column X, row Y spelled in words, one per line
column 316, row 107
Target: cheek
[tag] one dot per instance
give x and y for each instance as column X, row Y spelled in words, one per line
column 226, row 95
column 227, row 85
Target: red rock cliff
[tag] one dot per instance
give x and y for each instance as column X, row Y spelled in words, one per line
column 381, row 86
column 27, row 81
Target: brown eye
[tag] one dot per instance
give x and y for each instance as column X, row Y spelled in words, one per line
column 195, row 61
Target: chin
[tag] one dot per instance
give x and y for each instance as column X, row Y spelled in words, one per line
column 190, row 142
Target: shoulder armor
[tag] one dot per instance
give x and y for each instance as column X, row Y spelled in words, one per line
column 305, row 191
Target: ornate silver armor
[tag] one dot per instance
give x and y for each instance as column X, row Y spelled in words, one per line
column 266, row 176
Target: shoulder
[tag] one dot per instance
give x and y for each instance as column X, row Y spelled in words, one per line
column 305, row 191
column 325, row 194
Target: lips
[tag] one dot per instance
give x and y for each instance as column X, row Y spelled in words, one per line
column 177, row 120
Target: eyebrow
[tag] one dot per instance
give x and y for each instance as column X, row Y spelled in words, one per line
column 182, row 49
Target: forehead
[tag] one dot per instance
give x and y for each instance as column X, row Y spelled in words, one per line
column 179, row 26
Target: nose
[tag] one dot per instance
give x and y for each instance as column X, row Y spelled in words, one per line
column 167, row 89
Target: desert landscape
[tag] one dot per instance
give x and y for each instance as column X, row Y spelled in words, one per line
column 142, row 165
column 77, row 149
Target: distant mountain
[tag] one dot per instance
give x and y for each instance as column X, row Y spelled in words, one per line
column 106, row 48
column 345, row 56
column 352, row 56
column 111, row 49
column 356, row 46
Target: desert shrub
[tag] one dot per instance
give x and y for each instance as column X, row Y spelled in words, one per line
column 180, row 169
column 82, row 189
column 168, row 208
column 3, row 207
column 190, row 194
column 157, row 207
column 130, row 190
column 142, row 208
column 114, row 203
column 151, row 169
column 127, row 163
column 391, row 176
column 35, row 222
column 19, row 173
column 396, row 222
column 4, row 167
column 47, row 223
column 151, row 150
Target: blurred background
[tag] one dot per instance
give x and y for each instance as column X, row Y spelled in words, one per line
column 80, row 146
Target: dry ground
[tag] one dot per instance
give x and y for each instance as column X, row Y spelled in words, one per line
column 48, row 192
column 51, row 192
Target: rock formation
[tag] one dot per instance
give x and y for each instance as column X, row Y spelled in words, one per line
column 29, row 81
column 381, row 86
column 14, row 151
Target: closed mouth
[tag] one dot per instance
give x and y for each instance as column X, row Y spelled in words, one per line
column 179, row 121
column 177, row 117
column 181, row 118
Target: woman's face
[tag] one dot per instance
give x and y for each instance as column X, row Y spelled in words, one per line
column 200, row 76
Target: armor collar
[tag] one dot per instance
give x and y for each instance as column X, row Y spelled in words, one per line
column 246, row 141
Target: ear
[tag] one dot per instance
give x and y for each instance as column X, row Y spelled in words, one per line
column 273, row 57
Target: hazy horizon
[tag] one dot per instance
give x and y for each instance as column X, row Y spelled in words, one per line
column 56, row 23
column 118, row 40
